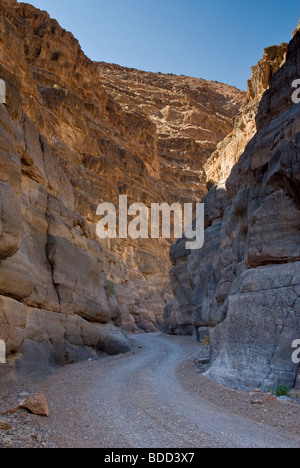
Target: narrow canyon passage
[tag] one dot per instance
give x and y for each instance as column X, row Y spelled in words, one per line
column 136, row 401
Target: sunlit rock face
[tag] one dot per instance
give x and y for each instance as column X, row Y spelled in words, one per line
column 191, row 117
column 68, row 143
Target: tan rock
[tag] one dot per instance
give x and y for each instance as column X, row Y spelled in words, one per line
column 36, row 404
column 70, row 267
column 189, row 118
column 10, row 221
column 16, row 278
column 261, row 398
column 11, row 411
column 70, row 141
column 5, row 426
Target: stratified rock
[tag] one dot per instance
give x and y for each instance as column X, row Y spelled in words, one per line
column 67, row 145
column 201, row 305
column 191, row 116
column 112, row 340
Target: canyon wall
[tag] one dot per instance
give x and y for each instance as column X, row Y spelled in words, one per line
column 69, row 143
column 244, row 285
column 218, row 167
column 190, row 115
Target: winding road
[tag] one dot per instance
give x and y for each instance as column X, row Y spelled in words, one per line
column 136, row 401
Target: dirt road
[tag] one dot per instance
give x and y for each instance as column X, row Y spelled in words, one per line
column 137, row 401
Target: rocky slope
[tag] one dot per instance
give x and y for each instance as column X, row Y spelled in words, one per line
column 244, row 285
column 66, row 146
column 190, row 116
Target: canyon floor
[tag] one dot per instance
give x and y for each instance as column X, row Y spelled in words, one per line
column 151, row 397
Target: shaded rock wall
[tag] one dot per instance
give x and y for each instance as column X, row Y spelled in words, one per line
column 244, row 283
column 66, row 145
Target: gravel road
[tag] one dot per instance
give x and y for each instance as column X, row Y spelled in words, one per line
column 137, row 401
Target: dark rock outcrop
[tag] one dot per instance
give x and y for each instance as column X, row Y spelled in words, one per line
column 245, row 283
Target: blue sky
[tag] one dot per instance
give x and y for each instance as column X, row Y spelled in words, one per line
column 210, row 39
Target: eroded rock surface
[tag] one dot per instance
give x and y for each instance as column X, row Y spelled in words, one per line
column 190, row 116
column 66, row 145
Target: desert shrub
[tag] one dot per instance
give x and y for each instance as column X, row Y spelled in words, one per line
column 205, row 341
column 281, row 390
column 109, row 288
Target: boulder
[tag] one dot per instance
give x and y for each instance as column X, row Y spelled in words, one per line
column 261, row 398
column 36, row 404
column 5, row 426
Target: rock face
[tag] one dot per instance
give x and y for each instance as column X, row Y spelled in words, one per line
column 244, row 285
column 67, row 145
column 220, row 164
column 190, row 116
column 36, row 404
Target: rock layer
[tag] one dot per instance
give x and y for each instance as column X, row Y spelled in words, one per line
column 66, row 145
column 244, row 284
column 191, row 117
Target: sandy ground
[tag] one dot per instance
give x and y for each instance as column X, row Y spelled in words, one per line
column 151, row 397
